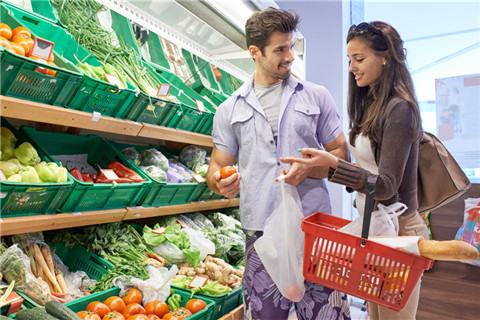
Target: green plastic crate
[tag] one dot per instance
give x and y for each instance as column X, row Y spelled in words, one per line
column 25, row 199
column 224, row 83
column 155, row 49
column 85, row 196
column 204, row 194
column 187, row 117
column 162, row 193
column 89, row 94
column 45, row 9
column 77, row 258
column 123, row 29
column 199, row 67
column 77, row 305
column 207, row 125
column 152, row 110
column 224, row 303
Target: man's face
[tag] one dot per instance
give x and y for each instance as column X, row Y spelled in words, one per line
column 276, row 63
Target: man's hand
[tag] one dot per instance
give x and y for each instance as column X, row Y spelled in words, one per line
column 228, row 187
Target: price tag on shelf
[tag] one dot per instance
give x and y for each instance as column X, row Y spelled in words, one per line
column 77, row 213
column 200, row 105
column 198, row 178
column 198, row 281
column 163, row 90
column 42, row 48
column 183, row 223
column 96, row 116
column 159, row 230
column 113, row 79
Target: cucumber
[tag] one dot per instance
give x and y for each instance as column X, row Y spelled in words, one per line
column 60, row 311
column 30, row 314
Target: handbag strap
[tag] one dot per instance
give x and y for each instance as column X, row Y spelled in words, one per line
column 369, row 204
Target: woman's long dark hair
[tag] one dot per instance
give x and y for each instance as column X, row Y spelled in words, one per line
column 365, row 104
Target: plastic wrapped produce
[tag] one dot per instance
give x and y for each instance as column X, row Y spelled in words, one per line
column 153, row 157
column 133, row 155
column 155, row 173
column 192, row 155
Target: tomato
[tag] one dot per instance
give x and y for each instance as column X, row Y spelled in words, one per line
column 227, row 171
column 177, row 314
column 25, row 41
column 195, row 305
column 87, row 315
column 153, row 317
column 6, row 44
column 133, row 308
column 158, row 308
column 114, row 315
column 132, row 296
column 138, row 317
column 51, row 57
column 115, row 303
column 18, row 48
column 21, row 30
column 40, row 69
column 5, row 31
column 98, row 307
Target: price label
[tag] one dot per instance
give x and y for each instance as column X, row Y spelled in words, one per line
column 109, row 173
column 200, row 105
column 113, row 79
column 183, row 224
column 96, row 116
column 159, row 230
column 198, row 281
column 42, row 48
column 198, row 178
column 163, row 90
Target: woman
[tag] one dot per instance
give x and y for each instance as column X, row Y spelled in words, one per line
column 385, row 134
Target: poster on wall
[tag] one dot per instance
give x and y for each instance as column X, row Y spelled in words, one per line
column 458, row 117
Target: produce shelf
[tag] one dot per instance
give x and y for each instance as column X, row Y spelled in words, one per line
column 40, row 112
column 19, row 225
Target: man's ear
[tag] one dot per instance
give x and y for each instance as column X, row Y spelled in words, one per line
column 254, row 51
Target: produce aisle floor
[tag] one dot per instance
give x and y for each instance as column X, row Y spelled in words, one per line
column 355, row 310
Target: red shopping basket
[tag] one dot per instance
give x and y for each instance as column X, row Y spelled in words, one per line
column 357, row 266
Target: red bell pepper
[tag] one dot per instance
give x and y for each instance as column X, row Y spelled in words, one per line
column 123, row 180
column 76, row 174
column 124, row 172
column 86, row 177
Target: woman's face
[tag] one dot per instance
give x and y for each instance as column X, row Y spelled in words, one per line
column 365, row 65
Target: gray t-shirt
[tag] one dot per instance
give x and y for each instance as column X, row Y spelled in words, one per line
column 270, row 98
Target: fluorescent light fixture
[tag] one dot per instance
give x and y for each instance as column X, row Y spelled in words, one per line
column 235, row 11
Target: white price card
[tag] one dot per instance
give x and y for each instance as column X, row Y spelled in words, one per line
column 42, row 48
column 200, row 105
column 163, row 90
column 113, row 79
column 198, row 281
column 198, row 178
column 159, row 230
column 96, row 116
column 183, row 223
column 110, row 174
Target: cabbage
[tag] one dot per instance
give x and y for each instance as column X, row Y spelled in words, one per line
column 153, row 157
column 133, row 155
column 191, row 156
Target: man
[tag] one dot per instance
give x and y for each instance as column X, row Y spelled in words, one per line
column 273, row 115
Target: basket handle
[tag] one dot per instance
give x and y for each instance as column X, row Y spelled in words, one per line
column 369, row 203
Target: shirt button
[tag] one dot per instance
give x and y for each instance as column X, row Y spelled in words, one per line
column 278, row 163
column 308, row 111
column 271, row 141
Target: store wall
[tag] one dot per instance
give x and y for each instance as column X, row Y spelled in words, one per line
column 323, row 24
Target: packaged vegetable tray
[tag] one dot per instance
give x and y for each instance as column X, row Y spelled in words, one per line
column 19, row 76
column 160, row 193
column 26, row 198
column 89, row 94
column 85, row 196
column 78, row 258
column 224, row 303
column 206, row 314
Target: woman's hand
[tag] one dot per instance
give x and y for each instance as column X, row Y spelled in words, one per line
column 313, row 158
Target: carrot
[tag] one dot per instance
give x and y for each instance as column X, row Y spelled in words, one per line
column 47, row 256
column 37, row 254
column 61, row 280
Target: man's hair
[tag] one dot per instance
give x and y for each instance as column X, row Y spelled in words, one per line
column 262, row 24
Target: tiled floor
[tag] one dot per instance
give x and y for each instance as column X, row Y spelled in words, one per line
column 355, row 310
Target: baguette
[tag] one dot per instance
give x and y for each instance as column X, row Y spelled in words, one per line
column 452, row 250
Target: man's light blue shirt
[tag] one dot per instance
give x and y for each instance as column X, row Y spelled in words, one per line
column 308, row 118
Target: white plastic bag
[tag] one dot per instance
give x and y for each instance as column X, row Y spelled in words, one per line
column 156, row 287
column 281, row 246
column 384, row 221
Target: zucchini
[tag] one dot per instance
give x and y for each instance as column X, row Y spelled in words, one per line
column 60, row 311
column 30, row 314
